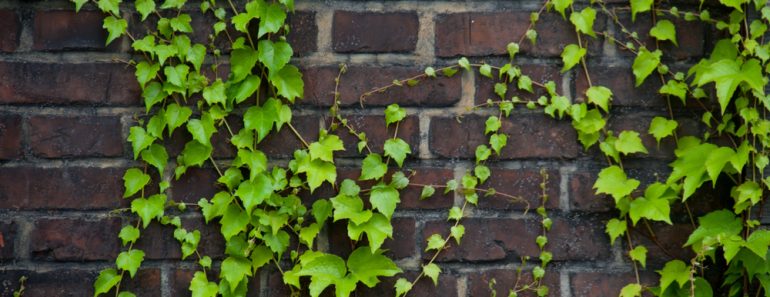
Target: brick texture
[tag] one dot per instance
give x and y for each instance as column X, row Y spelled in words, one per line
column 62, row 137
column 65, row 30
column 364, row 32
column 9, row 38
column 10, row 136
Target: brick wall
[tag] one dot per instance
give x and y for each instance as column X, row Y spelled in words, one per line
column 67, row 102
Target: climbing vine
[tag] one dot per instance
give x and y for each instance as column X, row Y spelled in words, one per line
column 242, row 74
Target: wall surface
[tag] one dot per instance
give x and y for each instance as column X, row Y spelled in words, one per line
column 67, row 102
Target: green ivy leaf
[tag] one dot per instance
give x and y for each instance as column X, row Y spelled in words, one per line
column 107, row 279
column 457, row 232
column 109, row 6
column 656, row 209
column 275, row 55
column 351, row 208
column 525, row 83
column 202, row 129
column 234, row 270
column 271, row 20
column 432, row 271
column 728, row 74
column 134, row 180
column 455, row 213
column 384, row 198
column 215, row 93
column 397, row 149
column 492, row 124
column 217, row 207
column 716, row 224
column 130, row 261
column 394, row 114
column 153, row 94
column 613, row 181
column 176, row 4
column 584, row 21
column 664, row 30
column 485, row 70
column 372, row 167
column 145, row 72
column 325, row 147
column 716, row 161
column 115, row 27
column 241, row 63
column 638, row 6
column 631, row 290
column 201, row 287
column 629, row 142
column 79, row 4
column 402, row 287
column 571, row 56
column 253, row 192
column 498, row 142
column 645, row 62
column 482, row 153
column 737, row 4
column 464, row 63
column 758, row 242
column 674, row 88
column 615, row 228
column 675, row 270
column 482, row 172
column 177, row 75
column 599, row 95
column 139, row 139
column 427, row 192
column 181, row 23
column 150, row 208
column 234, row 221
column 323, row 270
column 321, row 210
column 243, row 90
column 195, row 153
column 176, row 116
column 435, row 242
column 377, row 227
column 368, row 264
column 156, row 156
column 288, row 81
column 561, row 6
column 145, row 8
column 128, row 234
column 308, row 234
column 661, row 127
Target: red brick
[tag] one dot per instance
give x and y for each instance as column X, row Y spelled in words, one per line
column 61, row 188
column 542, row 73
column 410, row 197
column 522, row 183
column 158, row 241
column 622, row 83
column 447, row 286
column 9, row 37
column 641, row 124
column 303, row 34
column 582, row 197
column 57, row 30
column 357, row 80
column 670, row 243
column 505, row 279
column 500, row 239
column 195, row 184
column 689, row 35
column 529, row 136
column 590, row 284
column 180, row 282
column 10, row 137
column 146, row 282
column 77, row 136
column 61, row 84
column 8, row 234
column 284, row 142
column 74, row 239
column 401, row 246
column 59, row 282
column 481, row 34
column 368, row 32
column 377, row 134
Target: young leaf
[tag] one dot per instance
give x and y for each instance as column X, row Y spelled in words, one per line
column 645, row 63
column 485, row 70
column 402, row 287
column 664, row 30
column 289, row 82
column 655, row 209
column 435, row 242
column 600, row 96
column 145, row 7
column 242, row 61
column 482, row 153
column 367, row 265
column 377, row 228
column 492, row 125
column 128, row 234
column 615, row 228
column 234, row 270
column 674, row 88
column 661, row 127
column 457, row 232
column 675, row 270
column 274, row 55
column 372, row 167
column 134, row 180
column 613, row 181
column 482, row 172
column 384, row 198
column 351, row 208
column 130, row 261
column 150, row 208
column 325, row 147
column 427, row 192
column 571, row 56
column 584, row 21
column 397, row 149
column 631, row 290
column 107, row 279
column 498, row 141
column 393, row 114
column 638, row 6
column 561, row 6
column 176, row 116
column 432, row 271
column 464, row 63
column 201, row 287
column 139, row 139
column 271, row 20
column 629, row 142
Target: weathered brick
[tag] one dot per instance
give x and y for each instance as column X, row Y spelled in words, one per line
column 529, row 136
column 641, row 124
column 8, row 234
column 74, row 239
column 61, row 188
column 195, row 184
column 488, row 33
column 68, row 83
column 303, row 34
column 357, row 80
column 9, row 37
column 589, row 284
column 666, row 245
column 479, row 282
column 180, row 282
column 369, row 32
column 59, row 282
column 522, row 183
column 447, row 286
column 10, row 137
column 582, row 197
column 75, row 136
column 500, row 239
column 410, row 197
column 541, row 73
column 620, row 79
column 56, row 30
column 159, row 244
column 690, row 36
column 146, row 282
column 402, row 245
column 377, row 133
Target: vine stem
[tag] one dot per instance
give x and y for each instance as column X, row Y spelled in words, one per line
column 297, row 134
column 486, row 191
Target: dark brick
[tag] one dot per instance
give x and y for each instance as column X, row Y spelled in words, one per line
column 377, row 134
column 529, row 136
column 582, row 195
column 402, row 245
column 159, row 244
column 80, row 136
column 74, row 239
column 667, row 243
column 60, row 282
column 447, row 286
column 368, row 32
column 505, row 279
column 8, row 234
column 284, row 142
column 9, row 37
column 410, row 197
column 620, row 79
column 522, row 183
column 542, row 73
column 10, row 137
column 65, row 30
column 480, row 34
column 61, row 188
column 499, row 239
column 319, row 87
column 303, row 34
column 589, row 284
column 641, row 124
column 61, row 84
column 146, row 282
column 195, row 184
column 689, row 36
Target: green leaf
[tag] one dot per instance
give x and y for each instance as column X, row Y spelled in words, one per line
column 288, row 81
column 674, row 88
column 150, row 208
column 202, row 129
column 427, row 192
column 492, row 124
column 153, row 94
column 728, row 74
column 234, row 221
column 261, row 119
column 107, row 279
column 512, row 48
column 177, row 4
column 377, row 228
column 128, row 234
column 367, row 265
column 435, row 242
column 215, row 93
column 498, row 142
column 397, row 149
column 277, row 243
column 661, row 127
column 645, row 62
column 115, row 27
column 241, row 21
column 716, row 161
column 561, row 6
column 139, row 140
column 79, row 4
column 177, row 75
column 600, row 96
column 615, row 228
column 485, row 70
column 384, row 198
column 664, row 30
column 457, row 232
column 145, row 8
column 321, row 210
column 631, row 290
column 308, row 234
column 372, row 167
column 245, row 88
column 274, row 55
column 584, row 21
column 571, row 56
column 482, row 172
column 253, row 192
column 482, row 153
column 271, row 20
column 145, row 72
column 432, row 271
column 455, row 213
column 351, row 208
column 195, row 153
column 130, row 261
column 176, row 116
column 109, row 6
column 758, row 242
column 613, row 181
column 134, row 180
column 201, row 287
column 234, row 270
column 394, row 114
column 323, row 270
column 402, row 287
column 638, row 6
column 325, row 147
column 464, row 63
column 734, row 4
column 716, row 224
column 656, row 209
column 639, row 254
column 181, row 23
column 675, row 270
column 156, row 156
column 629, row 142
column 241, row 63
